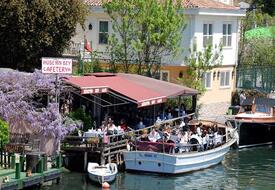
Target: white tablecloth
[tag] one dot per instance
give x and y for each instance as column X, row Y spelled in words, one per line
column 93, row 133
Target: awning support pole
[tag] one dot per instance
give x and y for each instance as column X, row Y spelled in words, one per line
column 194, row 104
column 179, row 104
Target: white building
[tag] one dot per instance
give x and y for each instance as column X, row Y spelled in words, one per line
column 209, row 21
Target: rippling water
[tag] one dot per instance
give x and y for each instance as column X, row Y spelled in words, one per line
column 249, row 169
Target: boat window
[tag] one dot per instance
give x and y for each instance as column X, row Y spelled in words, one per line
column 263, row 108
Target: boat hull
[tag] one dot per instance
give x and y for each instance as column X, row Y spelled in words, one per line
column 255, row 133
column 104, row 173
column 148, row 161
column 98, row 179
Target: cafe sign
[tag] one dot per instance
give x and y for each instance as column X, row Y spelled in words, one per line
column 56, row 65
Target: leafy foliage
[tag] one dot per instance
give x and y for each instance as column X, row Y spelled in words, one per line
column 266, row 6
column 19, row 108
column 4, row 132
column 147, row 30
column 260, row 14
column 30, row 30
column 80, row 114
column 198, row 63
column 259, row 51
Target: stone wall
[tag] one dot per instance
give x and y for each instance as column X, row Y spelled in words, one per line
column 214, row 111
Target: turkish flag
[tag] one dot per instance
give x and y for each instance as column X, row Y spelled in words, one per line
column 88, row 46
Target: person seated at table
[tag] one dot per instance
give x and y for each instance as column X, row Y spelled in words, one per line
column 182, row 110
column 196, row 139
column 158, row 121
column 210, row 138
column 166, row 133
column 144, row 135
column 123, row 125
column 199, row 129
column 189, row 133
column 183, row 143
column 174, row 137
column 154, row 135
column 111, row 128
column 205, row 140
column 140, row 124
column 217, row 138
column 104, row 126
column 184, row 138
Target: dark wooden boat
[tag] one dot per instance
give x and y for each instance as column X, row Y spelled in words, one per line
column 255, row 122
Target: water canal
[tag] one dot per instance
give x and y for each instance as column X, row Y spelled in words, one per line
column 248, row 169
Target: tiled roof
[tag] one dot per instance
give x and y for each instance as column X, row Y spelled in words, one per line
column 93, row 2
column 206, row 4
column 186, row 3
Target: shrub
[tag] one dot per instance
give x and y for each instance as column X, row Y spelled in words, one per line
column 4, row 132
column 80, row 114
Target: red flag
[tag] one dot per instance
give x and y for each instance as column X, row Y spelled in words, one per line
column 88, row 46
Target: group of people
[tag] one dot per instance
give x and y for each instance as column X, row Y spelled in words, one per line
column 185, row 139
column 162, row 115
column 205, row 138
column 108, row 126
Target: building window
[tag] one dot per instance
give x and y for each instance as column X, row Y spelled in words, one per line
column 206, row 80
column 227, row 35
column 207, row 34
column 164, row 75
column 224, row 78
column 103, row 32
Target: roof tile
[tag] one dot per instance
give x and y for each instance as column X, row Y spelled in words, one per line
column 186, row 3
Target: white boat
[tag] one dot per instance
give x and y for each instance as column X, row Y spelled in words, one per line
column 101, row 174
column 147, row 159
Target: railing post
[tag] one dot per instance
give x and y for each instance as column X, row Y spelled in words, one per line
column 22, row 160
column 12, row 161
column 5, row 159
column 58, row 161
column 9, row 160
column 45, row 165
column 40, row 165
column 17, row 170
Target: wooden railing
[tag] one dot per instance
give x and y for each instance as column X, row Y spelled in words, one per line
column 95, row 142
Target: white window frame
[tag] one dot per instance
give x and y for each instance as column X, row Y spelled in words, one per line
column 168, row 75
column 99, row 32
column 227, row 35
column 208, row 35
column 204, row 80
column 223, row 80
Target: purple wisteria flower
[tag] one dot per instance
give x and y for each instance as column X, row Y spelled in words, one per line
column 18, row 104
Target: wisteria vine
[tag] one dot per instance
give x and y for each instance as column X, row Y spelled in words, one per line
column 17, row 104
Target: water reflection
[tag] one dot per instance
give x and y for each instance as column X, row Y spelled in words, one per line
column 247, row 169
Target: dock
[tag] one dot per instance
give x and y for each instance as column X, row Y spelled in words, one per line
column 13, row 175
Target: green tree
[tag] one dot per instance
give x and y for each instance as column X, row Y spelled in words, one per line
column 259, row 51
column 147, row 31
column 4, row 132
column 199, row 62
column 266, row 6
column 122, row 14
column 31, row 29
column 257, row 16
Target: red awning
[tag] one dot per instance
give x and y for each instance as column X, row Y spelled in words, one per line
column 143, row 91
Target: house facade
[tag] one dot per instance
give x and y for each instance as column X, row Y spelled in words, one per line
column 208, row 22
